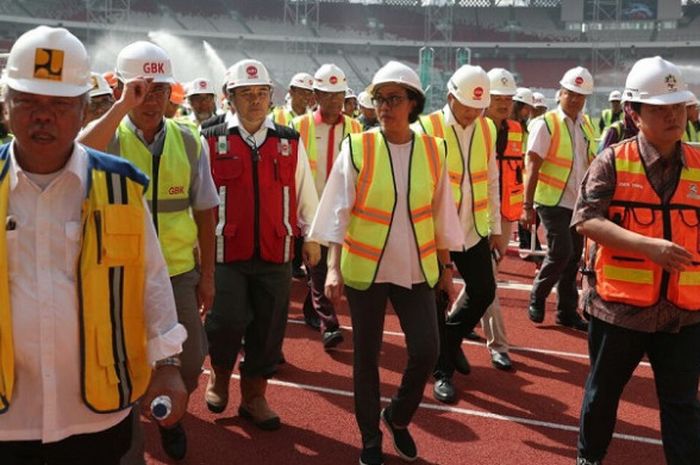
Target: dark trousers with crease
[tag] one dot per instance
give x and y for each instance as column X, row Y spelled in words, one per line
column 316, row 300
column 477, row 271
column 615, row 352
column 560, row 266
column 416, row 311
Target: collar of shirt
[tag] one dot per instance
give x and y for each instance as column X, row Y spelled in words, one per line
column 139, row 133
column 76, row 166
column 318, row 119
column 651, row 156
column 578, row 120
column 259, row 135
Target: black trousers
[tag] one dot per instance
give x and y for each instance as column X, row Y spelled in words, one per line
column 251, row 302
column 103, row 448
column 675, row 359
column 477, row 271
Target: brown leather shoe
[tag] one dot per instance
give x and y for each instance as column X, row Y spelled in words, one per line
column 216, row 394
column 254, row 407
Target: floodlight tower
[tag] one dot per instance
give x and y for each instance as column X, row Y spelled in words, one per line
column 605, row 59
column 303, row 13
column 101, row 12
column 439, row 24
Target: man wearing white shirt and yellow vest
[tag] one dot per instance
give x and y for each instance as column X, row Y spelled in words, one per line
column 560, row 147
column 300, row 92
column 181, row 195
column 321, row 133
column 86, row 306
column 473, row 171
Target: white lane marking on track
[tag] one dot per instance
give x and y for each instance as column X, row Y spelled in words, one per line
column 462, row 411
column 473, row 343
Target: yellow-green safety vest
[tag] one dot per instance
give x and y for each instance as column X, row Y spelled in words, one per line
column 306, row 127
column 375, row 202
column 480, row 150
column 177, row 166
column 556, row 166
column 111, row 276
column 282, row 116
column 691, row 134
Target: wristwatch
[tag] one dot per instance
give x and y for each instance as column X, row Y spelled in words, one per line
column 173, row 360
column 447, row 266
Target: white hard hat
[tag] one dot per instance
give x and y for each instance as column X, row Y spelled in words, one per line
column 539, row 100
column 365, row 100
column 330, row 78
column 657, row 82
column 200, row 86
column 144, row 59
column 693, row 101
column 248, row 73
column 48, row 61
column 396, row 73
column 615, row 96
column 470, row 85
column 99, row 85
column 578, row 80
column 350, row 94
column 302, row 81
column 502, row 82
column 524, row 95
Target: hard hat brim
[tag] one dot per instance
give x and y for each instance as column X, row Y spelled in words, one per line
column 578, row 90
column 101, row 92
column 200, row 92
column 672, row 98
column 501, row 92
column 301, row 87
column 49, row 88
column 370, row 89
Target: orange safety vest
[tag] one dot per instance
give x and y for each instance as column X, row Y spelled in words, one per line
column 633, row 279
column 510, row 166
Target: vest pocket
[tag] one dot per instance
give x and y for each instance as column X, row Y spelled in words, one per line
column 122, row 241
column 227, row 168
column 286, row 167
column 105, row 354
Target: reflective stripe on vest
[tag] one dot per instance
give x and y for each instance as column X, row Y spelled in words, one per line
column 306, row 127
column 111, row 276
column 556, row 166
column 633, row 279
column 480, row 149
column 511, row 166
column 282, row 116
column 375, row 202
column 177, row 166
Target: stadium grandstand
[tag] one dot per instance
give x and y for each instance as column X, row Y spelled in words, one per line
column 537, row 39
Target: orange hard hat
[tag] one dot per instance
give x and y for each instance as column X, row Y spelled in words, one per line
column 177, row 93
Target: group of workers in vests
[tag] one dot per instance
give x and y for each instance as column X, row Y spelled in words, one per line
column 389, row 206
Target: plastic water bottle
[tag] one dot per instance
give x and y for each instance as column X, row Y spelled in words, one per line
column 161, row 407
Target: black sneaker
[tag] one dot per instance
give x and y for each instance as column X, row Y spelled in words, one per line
column 174, row 441
column 331, row 338
column 403, row 442
column 573, row 321
column 372, row 456
column 535, row 313
column 582, row 461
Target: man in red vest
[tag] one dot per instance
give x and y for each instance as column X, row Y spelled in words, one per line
column 639, row 202
column 267, row 196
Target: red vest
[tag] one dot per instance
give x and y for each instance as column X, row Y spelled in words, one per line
column 257, row 215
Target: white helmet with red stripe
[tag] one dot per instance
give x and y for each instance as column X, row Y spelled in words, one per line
column 471, row 86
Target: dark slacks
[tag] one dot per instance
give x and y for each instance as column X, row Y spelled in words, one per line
column 476, row 269
column 675, row 359
column 416, row 311
column 316, row 300
column 251, row 302
column 103, row 448
column 561, row 264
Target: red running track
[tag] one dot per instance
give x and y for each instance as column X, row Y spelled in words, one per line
column 529, row 415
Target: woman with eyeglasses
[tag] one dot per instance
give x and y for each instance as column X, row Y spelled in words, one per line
column 389, row 219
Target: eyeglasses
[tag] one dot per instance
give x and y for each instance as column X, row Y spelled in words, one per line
column 252, row 96
column 391, row 101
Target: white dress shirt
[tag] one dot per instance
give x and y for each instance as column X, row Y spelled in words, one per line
column 538, row 142
column 399, row 264
column 43, row 254
column 466, row 214
column 307, row 198
column 323, row 136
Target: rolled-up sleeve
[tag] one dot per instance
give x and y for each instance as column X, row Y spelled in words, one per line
column 338, row 198
column 165, row 335
column 596, row 190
